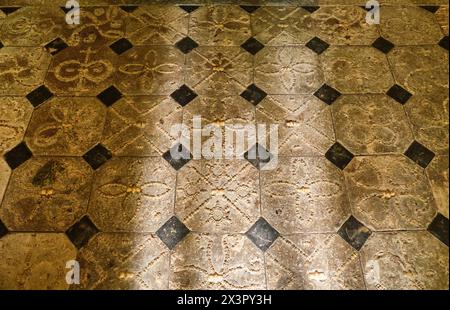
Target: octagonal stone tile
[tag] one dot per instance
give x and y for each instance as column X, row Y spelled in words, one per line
column 313, row 262
column 442, row 18
column 304, row 195
column 356, row 69
column 219, row 70
column 35, row 261
column 124, row 261
column 304, row 122
column 132, row 194
column 206, row 261
column 5, row 172
column 66, row 126
column 47, row 194
column 389, row 193
column 412, row 260
column 371, row 124
column 15, row 113
column 141, row 125
column 288, row 70
column 218, row 196
column 438, row 174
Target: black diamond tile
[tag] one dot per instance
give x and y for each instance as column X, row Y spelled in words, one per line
column 250, row 8
column 354, row 232
column 439, row 228
column 399, row 94
column 252, row 46
column 97, row 156
column 419, row 154
column 9, row 10
column 383, row 45
column 39, row 95
column 327, row 94
column 109, row 96
column 189, row 8
column 178, row 156
column 3, row 229
column 183, row 95
column 172, row 232
column 262, row 234
column 258, row 156
column 339, row 156
column 121, row 46
column 311, row 8
column 129, row 8
column 81, row 232
column 56, row 46
column 18, row 155
column 317, row 45
column 1, row 44
column 444, row 43
column 430, row 8
column 186, row 45
column 254, row 94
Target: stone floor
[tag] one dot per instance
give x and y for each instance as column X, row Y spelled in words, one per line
column 358, row 199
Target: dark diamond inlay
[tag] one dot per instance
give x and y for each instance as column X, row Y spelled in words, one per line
column 186, row 45
column 178, row 156
column 444, row 42
column 1, row 44
column 56, row 46
column 399, row 94
column 317, row 45
column 419, row 154
column 3, row 229
column 39, row 95
column 354, row 232
column 121, row 46
column 311, row 8
column 172, row 232
column 262, row 234
column 252, row 46
column 81, row 232
column 189, row 8
column 430, row 8
column 250, row 8
column 258, row 156
column 254, row 94
column 439, row 228
column 183, row 95
column 97, row 156
column 109, row 96
column 9, row 10
column 383, row 45
column 18, row 155
column 327, row 94
column 339, row 156
column 129, row 8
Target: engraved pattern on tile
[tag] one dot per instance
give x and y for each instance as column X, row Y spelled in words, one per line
column 438, row 174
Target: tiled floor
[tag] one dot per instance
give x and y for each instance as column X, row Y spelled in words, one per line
column 358, row 199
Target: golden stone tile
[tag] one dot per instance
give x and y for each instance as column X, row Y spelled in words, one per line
column 219, row 25
column 304, row 122
column 438, row 174
column 206, row 261
column 409, row 25
column 32, row 26
column 5, row 172
column 422, row 70
column 304, row 195
column 356, row 69
column 405, row 260
column 22, row 69
column 124, row 261
column 150, row 70
column 66, row 126
column 218, row 196
column 132, row 194
column 47, row 194
column 389, row 193
column 318, row 262
column 288, row 70
column 35, row 261
column 429, row 118
column 157, row 25
column 141, row 125
column 371, row 124
column 279, row 25
column 15, row 113
column 442, row 18
column 81, row 71
column 217, row 70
